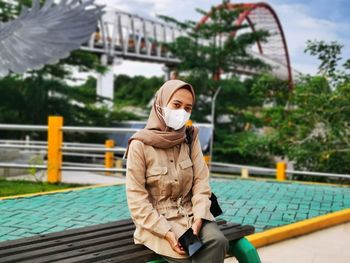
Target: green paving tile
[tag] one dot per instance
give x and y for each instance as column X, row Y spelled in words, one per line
column 19, row 232
column 254, row 211
column 293, row 206
column 242, row 212
column 39, row 230
column 231, row 212
column 270, row 208
column 276, row 223
column 6, row 230
column 249, row 220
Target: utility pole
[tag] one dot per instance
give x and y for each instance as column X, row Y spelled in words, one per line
column 213, row 124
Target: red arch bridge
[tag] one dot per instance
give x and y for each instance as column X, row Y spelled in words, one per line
column 128, row 36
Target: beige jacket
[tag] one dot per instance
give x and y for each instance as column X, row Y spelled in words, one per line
column 166, row 190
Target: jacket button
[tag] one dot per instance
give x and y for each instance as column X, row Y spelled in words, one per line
column 171, row 161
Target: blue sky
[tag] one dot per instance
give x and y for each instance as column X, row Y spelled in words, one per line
column 301, row 20
column 337, row 10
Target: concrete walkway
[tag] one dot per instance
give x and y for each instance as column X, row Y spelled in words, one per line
column 85, row 178
column 330, row 245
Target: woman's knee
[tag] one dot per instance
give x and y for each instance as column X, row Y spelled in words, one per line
column 222, row 240
column 212, row 234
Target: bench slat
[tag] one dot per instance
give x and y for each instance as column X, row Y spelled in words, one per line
column 66, row 233
column 109, row 242
column 89, row 238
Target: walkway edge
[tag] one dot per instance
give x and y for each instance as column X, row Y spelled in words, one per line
column 300, row 228
column 264, row 179
column 58, row 191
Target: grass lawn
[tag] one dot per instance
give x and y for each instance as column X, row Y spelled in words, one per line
column 9, row 188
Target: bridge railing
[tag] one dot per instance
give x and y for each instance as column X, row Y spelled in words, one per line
column 130, row 36
column 133, row 37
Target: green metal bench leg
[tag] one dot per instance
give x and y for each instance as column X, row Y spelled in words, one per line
column 244, row 251
column 159, row 260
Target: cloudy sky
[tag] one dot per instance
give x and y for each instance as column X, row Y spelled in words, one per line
column 301, row 20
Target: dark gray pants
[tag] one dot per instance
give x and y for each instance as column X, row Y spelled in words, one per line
column 214, row 250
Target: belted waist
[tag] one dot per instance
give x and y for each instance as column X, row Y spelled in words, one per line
column 173, row 203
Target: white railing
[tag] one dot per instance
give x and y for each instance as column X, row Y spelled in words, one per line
column 75, row 149
column 271, row 171
column 70, row 149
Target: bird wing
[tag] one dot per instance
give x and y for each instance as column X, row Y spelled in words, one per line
column 43, row 35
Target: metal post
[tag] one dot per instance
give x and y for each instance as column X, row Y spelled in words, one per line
column 109, row 156
column 54, row 144
column 166, row 71
column 213, row 124
column 245, row 173
column 105, row 82
column 281, row 174
column 119, row 165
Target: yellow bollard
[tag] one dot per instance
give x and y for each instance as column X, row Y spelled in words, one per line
column 207, row 159
column 189, row 123
column 54, row 153
column 281, row 174
column 109, row 156
column 244, row 173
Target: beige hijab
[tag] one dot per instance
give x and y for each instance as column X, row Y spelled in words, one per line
column 156, row 133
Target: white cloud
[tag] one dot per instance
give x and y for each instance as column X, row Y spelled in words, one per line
column 298, row 28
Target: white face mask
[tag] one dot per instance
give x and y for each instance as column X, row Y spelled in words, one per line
column 175, row 119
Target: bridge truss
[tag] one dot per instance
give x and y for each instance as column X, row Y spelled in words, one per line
column 131, row 37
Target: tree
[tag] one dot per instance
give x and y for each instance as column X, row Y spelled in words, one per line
column 314, row 130
column 136, row 91
column 222, row 46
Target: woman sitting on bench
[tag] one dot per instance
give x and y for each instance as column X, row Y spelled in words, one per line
column 167, row 183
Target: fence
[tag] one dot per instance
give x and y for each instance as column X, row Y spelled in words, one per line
column 281, row 172
column 56, row 148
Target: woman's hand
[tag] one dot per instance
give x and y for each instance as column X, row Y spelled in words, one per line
column 170, row 237
column 197, row 225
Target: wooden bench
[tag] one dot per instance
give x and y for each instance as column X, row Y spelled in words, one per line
column 109, row 242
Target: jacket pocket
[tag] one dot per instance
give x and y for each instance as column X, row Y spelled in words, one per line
column 155, row 179
column 186, row 163
column 158, row 170
column 187, row 173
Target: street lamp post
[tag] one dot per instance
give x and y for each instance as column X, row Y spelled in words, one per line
column 213, row 124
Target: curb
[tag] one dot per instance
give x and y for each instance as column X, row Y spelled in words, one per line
column 300, row 228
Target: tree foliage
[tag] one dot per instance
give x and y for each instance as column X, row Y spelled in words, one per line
column 222, row 46
column 137, row 91
column 312, row 126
